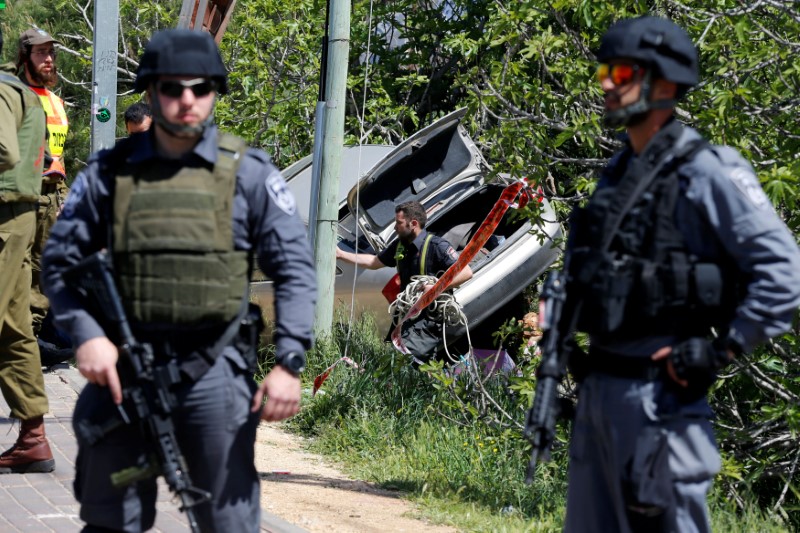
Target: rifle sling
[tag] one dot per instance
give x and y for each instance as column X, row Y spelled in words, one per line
column 671, row 159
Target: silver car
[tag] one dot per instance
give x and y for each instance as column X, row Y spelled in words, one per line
column 441, row 167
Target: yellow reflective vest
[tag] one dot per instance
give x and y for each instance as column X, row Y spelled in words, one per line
column 57, row 126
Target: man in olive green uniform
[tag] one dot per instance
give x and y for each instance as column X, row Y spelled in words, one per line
column 22, row 155
column 36, row 61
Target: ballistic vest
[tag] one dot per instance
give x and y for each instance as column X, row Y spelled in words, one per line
column 645, row 281
column 23, row 183
column 173, row 240
column 57, row 127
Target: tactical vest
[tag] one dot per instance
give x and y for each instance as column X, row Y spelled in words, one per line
column 23, row 183
column 645, row 282
column 173, row 240
column 57, row 127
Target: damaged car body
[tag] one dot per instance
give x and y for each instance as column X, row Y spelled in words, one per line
column 442, row 168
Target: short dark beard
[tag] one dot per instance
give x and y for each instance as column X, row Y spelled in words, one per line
column 45, row 80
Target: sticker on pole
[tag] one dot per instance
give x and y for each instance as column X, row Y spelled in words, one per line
column 103, row 115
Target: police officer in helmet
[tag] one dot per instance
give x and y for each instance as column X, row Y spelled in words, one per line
column 183, row 209
column 677, row 265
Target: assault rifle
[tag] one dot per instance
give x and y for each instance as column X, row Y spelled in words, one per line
column 540, row 426
column 147, row 393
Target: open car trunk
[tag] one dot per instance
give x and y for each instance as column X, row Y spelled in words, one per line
column 459, row 224
column 437, row 167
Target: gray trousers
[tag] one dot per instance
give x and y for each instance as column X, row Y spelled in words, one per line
column 216, row 432
column 607, row 441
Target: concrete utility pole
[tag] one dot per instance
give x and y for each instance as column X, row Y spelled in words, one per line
column 185, row 16
column 104, row 74
column 333, row 142
column 319, row 128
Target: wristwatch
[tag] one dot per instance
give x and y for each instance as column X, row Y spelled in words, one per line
column 293, row 362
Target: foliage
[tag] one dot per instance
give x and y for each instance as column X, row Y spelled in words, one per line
column 71, row 22
column 272, row 50
column 385, row 417
column 401, row 428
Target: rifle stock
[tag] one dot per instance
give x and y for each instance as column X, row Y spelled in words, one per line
column 147, row 392
column 540, row 425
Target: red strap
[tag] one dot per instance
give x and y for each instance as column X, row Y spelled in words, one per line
column 475, row 244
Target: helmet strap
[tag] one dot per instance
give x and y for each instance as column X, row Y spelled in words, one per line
column 636, row 113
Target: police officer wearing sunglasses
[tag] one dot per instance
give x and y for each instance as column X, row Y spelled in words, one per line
column 184, row 209
column 677, row 265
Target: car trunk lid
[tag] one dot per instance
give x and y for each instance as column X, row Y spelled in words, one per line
column 437, row 166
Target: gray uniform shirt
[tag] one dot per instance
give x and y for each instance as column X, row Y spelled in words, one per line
column 265, row 221
column 722, row 211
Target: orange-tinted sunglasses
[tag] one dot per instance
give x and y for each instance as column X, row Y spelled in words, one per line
column 620, row 73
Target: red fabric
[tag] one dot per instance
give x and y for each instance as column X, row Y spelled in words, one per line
column 319, row 380
column 392, row 289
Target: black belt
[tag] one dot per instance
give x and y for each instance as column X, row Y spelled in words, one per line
column 624, row 366
column 9, row 210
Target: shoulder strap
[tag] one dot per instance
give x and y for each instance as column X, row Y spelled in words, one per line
column 669, row 161
column 230, row 153
column 27, row 94
column 12, row 80
column 230, row 150
column 424, row 256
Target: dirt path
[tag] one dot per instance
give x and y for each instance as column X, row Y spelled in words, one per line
column 304, row 490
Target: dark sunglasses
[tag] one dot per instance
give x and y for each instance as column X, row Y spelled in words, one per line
column 620, row 73
column 175, row 88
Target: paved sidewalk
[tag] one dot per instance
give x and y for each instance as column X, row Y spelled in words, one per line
column 34, row 503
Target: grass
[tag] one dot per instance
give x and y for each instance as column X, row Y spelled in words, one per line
column 387, row 423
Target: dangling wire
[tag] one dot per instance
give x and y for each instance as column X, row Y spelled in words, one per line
column 358, row 188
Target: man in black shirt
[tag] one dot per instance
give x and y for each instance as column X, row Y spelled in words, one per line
column 413, row 247
column 415, row 252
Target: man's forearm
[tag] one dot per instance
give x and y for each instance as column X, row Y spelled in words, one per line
column 363, row 260
column 462, row 277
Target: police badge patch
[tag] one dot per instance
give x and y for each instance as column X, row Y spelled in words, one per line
column 280, row 194
column 76, row 193
column 748, row 184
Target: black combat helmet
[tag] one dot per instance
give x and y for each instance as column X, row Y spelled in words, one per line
column 180, row 52
column 663, row 48
column 655, row 42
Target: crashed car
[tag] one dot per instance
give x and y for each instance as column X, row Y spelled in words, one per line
column 441, row 167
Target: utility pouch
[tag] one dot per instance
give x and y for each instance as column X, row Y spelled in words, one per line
column 250, row 329
column 648, row 487
column 392, row 289
column 422, row 337
column 607, row 293
column 707, row 279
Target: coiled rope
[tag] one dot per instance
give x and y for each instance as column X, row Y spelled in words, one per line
column 444, row 309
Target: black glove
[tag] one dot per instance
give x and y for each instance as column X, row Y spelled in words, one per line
column 697, row 361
